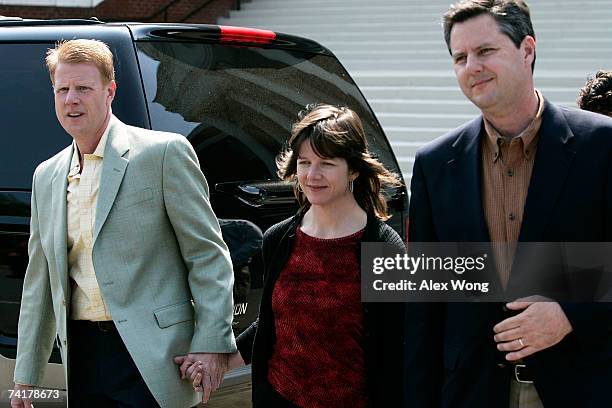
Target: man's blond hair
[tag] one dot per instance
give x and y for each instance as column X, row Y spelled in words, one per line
column 80, row 51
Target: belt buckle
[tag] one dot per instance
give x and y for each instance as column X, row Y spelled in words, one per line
column 104, row 326
column 517, row 375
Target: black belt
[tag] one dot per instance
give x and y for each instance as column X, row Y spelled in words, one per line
column 522, row 373
column 106, row 326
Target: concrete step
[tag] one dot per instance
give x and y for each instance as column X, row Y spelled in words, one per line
column 408, row 9
column 415, row 4
column 436, row 106
column 362, row 64
column 418, row 135
column 447, row 93
column 463, row 106
column 423, row 120
column 406, row 149
column 543, row 78
column 444, row 120
column 406, row 163
column 437, row 45
column 442, row 53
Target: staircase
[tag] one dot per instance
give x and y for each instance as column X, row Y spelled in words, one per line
column 395, row 51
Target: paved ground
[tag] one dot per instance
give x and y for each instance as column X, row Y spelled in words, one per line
column 233, row 397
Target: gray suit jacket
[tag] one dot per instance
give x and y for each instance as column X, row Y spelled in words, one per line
column 162, row 266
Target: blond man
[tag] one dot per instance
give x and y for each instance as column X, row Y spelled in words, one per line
column 125, row 254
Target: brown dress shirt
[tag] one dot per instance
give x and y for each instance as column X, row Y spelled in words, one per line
column 507, row 165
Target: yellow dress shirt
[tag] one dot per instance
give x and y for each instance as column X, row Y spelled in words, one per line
column 87, row 302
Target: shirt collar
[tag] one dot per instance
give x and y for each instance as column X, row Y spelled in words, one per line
column 75, row 167
column 526, row 137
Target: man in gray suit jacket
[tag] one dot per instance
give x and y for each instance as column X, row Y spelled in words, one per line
column 127, row 266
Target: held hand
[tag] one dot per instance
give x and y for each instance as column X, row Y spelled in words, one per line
column 539, row 326
column 19, row 400
column 235, row 360
column 188, row 368
column 210, row 366
column 197, row 372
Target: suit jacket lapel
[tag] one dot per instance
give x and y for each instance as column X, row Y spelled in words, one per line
column 58, row 212
column 552, row 164
column 113, row 169
column 466, row 169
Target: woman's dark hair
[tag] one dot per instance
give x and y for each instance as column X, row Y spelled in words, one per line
column 337, row 132
column 596, row 95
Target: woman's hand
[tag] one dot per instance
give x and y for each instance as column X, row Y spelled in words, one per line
column 196, row 371
column 235, row 360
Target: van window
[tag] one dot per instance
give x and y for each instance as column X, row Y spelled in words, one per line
column 237, row 105
column 30, row 130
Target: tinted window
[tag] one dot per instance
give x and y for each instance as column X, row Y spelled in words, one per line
column 237, row 104
column 30, row 131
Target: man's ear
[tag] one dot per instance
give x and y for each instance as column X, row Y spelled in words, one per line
column 528, row 46
column 112, row 89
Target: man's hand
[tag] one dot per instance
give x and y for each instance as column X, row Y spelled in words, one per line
column 197, row 373
column 17, row 401
column 210, row 366
column 539, row 326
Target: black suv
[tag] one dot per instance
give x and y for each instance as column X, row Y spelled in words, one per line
column 233, row 92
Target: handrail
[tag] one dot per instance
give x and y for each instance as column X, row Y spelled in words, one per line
column 163, row 10
column 196, row 11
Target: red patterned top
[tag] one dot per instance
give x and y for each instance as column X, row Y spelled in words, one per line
column 318, row 358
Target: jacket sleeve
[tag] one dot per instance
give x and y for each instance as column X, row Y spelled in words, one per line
column 423, row 321
column 593, row 321
column 420, row 216
column 204, row 252
column 36, row 331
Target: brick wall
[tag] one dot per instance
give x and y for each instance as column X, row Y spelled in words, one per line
column 133, row 10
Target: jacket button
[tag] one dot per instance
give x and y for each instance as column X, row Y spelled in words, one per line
column 501, row 365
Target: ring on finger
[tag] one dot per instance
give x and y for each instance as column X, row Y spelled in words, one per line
column 520, row 340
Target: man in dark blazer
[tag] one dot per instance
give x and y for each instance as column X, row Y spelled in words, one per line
column 524, row 171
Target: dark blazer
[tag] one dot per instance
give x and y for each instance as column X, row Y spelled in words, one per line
column 382, row 321
column 451, row 358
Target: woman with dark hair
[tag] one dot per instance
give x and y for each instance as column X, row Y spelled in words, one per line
column 315, row 344
column 596, row 94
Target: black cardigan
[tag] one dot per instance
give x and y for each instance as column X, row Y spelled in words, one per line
column 383, row 322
